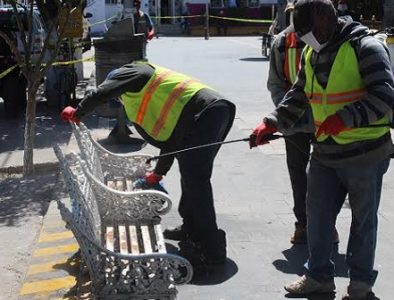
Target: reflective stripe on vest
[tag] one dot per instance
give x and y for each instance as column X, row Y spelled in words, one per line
column 292, row 58
column 158, row 106
column 344, row 86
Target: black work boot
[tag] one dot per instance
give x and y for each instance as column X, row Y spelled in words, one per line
column 176, row 234
column 191, row 250
column 214, row 248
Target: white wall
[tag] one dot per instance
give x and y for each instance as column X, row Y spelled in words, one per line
column 97, row 9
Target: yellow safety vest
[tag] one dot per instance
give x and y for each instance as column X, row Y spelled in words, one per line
column 344, row 86
column 158, row 106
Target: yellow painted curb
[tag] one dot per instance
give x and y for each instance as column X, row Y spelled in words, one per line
column 50, row 266
column 50, row 237
column 48, row 285
column 56, row 250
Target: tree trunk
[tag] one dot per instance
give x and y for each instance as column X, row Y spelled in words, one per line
column 28, row 166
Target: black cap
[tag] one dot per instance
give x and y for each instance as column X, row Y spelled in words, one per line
column 305, row 10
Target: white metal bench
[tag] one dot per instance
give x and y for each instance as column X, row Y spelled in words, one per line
column 106, row 166
column 120, row 236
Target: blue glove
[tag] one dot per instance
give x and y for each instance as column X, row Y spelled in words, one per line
column 142, row 184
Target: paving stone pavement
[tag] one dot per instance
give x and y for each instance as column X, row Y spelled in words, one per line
column 254, row 206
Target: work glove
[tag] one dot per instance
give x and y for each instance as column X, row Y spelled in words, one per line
column 68, row 114
column 333, row 125
column 150, row 34
column 260, row 133
column 152, row 178
column 150, row 181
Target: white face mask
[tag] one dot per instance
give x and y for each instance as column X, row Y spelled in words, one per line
column 311, row 41
column 342, row 7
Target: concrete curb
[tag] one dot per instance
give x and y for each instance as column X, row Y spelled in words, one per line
column 41, row 168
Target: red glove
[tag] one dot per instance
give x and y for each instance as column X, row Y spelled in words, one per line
column 333, row 125
column 152, row 178
column 150, row 34
column 259, row 133
column 68, row 114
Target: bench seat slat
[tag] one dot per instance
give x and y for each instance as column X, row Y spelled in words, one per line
column 123, row 240
column 129, row 184
column 135, row 249
column 146, row 239
column 109, row 238
column 160, row 244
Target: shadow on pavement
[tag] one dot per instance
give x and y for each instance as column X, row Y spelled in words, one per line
column 216, row 275
column 293, row 263
column 296, row 256
column 327, row 296
column 49, row 129
column 22, row 198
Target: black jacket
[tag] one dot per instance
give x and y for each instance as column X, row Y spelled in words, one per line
column 133, row 78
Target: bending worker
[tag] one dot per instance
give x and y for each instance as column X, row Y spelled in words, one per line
column 346, row 77
column 172, row 111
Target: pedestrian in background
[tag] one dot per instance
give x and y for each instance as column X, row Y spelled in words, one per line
column 143, row 24
column 172, row 111
column 346, row 78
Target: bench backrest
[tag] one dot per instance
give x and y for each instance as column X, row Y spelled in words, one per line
column 89, row 149
column 84, row 206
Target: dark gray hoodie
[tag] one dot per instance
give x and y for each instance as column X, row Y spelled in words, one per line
column 375, row 70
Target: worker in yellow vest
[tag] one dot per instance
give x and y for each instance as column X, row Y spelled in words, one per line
column 173, row 111
column 345, row 76
column 284, row 63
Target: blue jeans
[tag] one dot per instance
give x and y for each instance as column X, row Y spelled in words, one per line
column 325, row 192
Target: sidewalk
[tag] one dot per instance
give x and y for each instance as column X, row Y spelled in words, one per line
column 253, row 202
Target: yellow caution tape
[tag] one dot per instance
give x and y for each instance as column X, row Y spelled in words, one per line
column 9, row 70
column 6, row 72
column 177, row 17
column 242, row 20
column 103, row 21
column 217, row 17
column 70, row 62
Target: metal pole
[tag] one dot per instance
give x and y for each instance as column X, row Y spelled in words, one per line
column 206, row 28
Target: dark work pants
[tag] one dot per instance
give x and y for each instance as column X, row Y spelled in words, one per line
column 297, row 154
column 196, row 205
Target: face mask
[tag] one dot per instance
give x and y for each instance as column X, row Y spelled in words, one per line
column 342, row 7
column 311, row 41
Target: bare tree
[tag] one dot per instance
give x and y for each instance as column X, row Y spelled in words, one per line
column 35, row 69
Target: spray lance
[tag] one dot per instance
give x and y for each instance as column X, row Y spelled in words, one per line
column 268, row 138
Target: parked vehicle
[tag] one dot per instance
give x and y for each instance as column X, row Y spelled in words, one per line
column 13, row 84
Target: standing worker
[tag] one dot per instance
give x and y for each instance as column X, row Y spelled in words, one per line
column 172, row 111
column 284, row 64
column 143, row 23
column 346, row 77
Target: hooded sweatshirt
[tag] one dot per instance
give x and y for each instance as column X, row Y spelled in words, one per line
column 375, row 70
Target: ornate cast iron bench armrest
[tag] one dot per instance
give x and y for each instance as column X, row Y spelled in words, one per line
column 125, row 205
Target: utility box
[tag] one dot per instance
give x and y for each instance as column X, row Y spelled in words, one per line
column 118, row 47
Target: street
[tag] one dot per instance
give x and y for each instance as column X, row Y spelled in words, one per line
column 252, row 190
